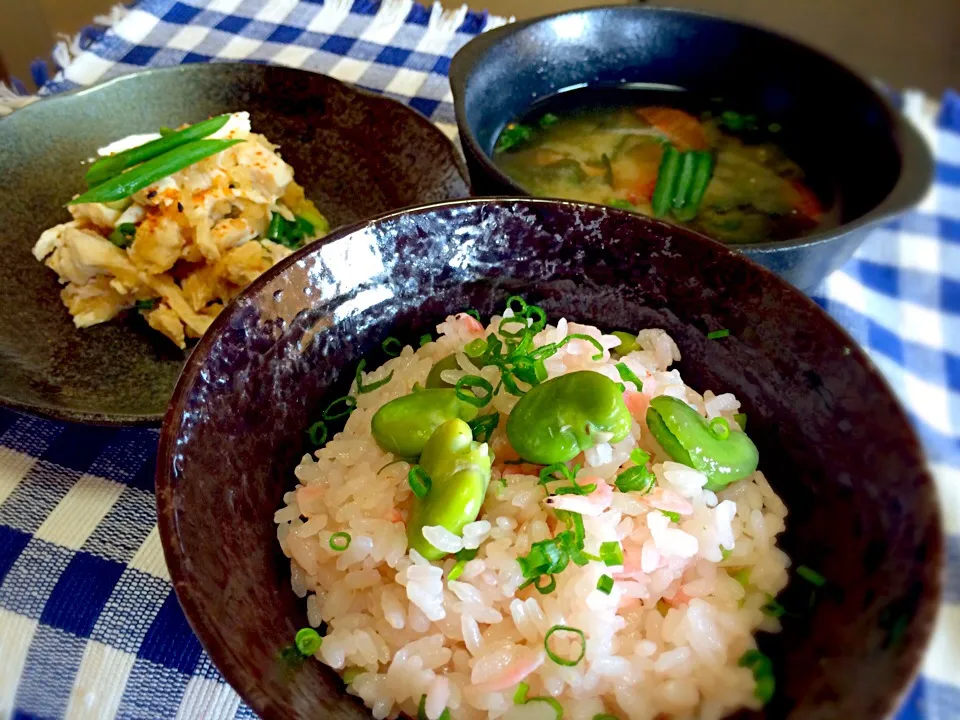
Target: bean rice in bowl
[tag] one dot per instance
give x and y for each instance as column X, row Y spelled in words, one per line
column 651, row 609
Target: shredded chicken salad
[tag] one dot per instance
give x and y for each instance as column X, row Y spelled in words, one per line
column 186, row 234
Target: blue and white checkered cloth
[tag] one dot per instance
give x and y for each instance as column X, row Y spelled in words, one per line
column 89, row 624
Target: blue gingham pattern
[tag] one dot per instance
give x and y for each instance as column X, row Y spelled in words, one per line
column 89, row 624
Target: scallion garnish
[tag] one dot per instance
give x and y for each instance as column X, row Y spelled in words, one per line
column 580, row 336
column 741, row 419
column 317, row 433
column 725, row 553
column 552, row 702
column 332, row 412
column 340, row 541
column 424, row 339
column 512, row 135
column 717, row 334
column 465, row 390
column 539, row 317
column 145, row 305
column 605, row 584
column 674, row 516
column 419, row 481
column 515, row 320
column 548, row 588
column 762, row 669
column 636, row 479
column 520, row 696
column 521, row 304
column 548, row 474
column 391, row 346
column 361, row 388
column 123, row 235
column 773, row 608
column 308, row 641
column 475, row 348
column 611, row 553
column 627, row 375
column 811, row 576
column 463, row 557
column 565, row 629
column 473, row 313
column 483, row 426
column 720, row 428
column 547, row 120
column 639, row 457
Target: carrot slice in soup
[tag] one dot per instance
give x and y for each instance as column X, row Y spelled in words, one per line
column 682, row 128
column 805, row 202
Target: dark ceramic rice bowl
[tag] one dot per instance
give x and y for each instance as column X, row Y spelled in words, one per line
column 833, row 441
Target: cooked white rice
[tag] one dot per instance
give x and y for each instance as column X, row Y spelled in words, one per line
column 664, row 642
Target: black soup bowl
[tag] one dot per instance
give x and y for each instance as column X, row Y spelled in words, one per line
column 833, row 441
column 846, row 136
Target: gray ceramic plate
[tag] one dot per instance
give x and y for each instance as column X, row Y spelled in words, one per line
column 356, row 154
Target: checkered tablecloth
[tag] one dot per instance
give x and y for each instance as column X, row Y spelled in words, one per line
column 89, row 624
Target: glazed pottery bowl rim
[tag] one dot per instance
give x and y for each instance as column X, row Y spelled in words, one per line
column 916, row 159
column 177, row 559
column 24, row 115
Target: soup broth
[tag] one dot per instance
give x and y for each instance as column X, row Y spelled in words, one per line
column 716, row 171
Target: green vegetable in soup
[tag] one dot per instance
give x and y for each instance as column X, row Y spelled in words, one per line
column 559, row 418
column 667, row 180
column 459, row 471
column 404, row 425
column 513, row 134
column 686, row 436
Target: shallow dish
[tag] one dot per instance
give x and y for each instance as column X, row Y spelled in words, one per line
column 834, row 123
column 355, row 153
column 862, row 509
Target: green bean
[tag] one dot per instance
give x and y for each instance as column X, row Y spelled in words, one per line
column 684, row 189
column 126, row 184
column 666, row 181
column 459, row 469
column 106, row 168
column 446, row 363
column 688, row 438
column 558, row 419
column 701, row 179
column 404, row 425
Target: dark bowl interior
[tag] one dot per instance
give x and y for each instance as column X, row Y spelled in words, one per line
column 842, row 132
column 833, row 441
column 355, row 153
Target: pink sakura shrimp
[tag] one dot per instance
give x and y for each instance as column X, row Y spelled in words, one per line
column 637, row 403
column 664, row 499
column 591, row 505
column 513, row 673
column 310, row 500
column 470, row 322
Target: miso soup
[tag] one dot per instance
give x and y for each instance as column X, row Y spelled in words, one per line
column 698, row 164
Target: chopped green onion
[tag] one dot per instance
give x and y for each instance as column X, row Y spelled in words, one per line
column 639, row 457
column 725, row 552
column 552, row 702
column 419, row 481
column 483, row 426
column 468, row 383
column 539, row 317
column 127, row 183
column 289, row 233
column 473, row 313
column 741, row 419
column 556, row 658
column 463, row 557
column 811, row 576
column 112, row 165
column 674, row 517
column 547, row 120
column 424, row 339
column 515, row 320
column 513, row 134
column 391, row 346
column 611, row 553
column 548, row 588
column 605, row 584
column 667, row 178
column 548, row 473
column 762, row 669
column 520, row 696
column 521, row 308
column 148, row 304
column 340, row 541
column 636, row 479
column 773, row 608
column 718, row 334
column 361, row 388
column 123, row 235
column 350, row 674
column 628, row 342
column 308, row 641
column 165, row 130
column 475, row 348
column 742, row 576
column 580, row 336
column 627, row 375
column 317, row 433
column 720, row 428
column 349, row 402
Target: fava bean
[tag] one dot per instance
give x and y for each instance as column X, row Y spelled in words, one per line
column 628, row 342
column 559, row 418
column 446, row 363
column 687, row 437
column 404, row 425
column 459, row 470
